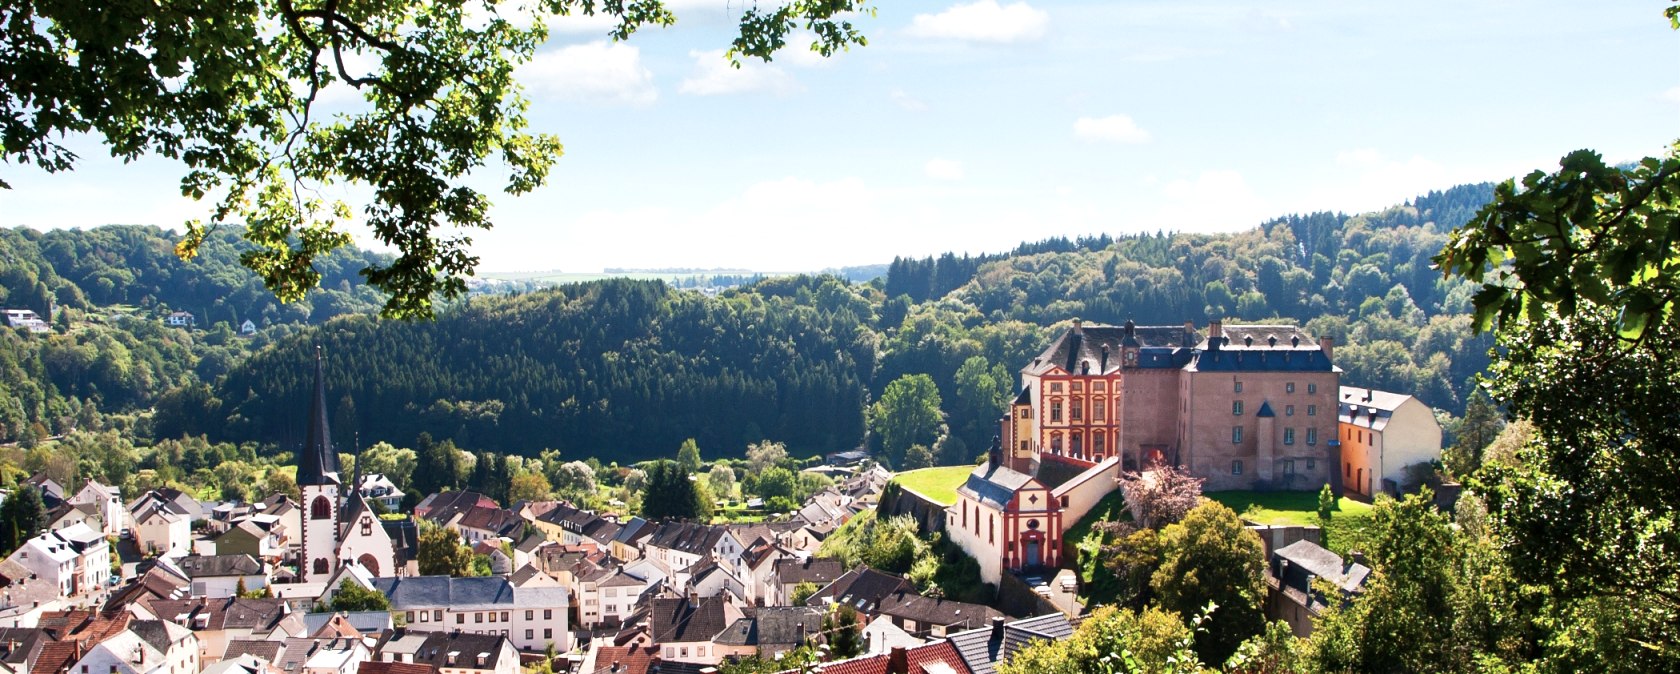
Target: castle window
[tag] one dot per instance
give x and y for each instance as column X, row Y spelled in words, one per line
column 1312, row 439
column 1099, row 410
column 320, row 508
column 1236, row 387
column 1289, row 436
column 1312, row 410
column 1099, row 386
column 1055, row 410
column 1078, row 444
column 1055, row 387
column 1236, row 435
column 1056, row 443
column 1236, row 408
column 1347, row 470
column 1026, row 413
column 1236, row 468
column 1288, row 410
column 1076, row 411
column 1078, row 387
column 1024, row 446
column 1098, row 443
column 1312, row 388
column 1289, row 387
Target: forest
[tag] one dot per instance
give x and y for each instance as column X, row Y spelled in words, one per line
column 626, row 370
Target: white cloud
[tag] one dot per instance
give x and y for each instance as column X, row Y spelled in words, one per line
column 908, row 102
column 983, row 21
column 714, row 75
column 1113, row 128
column 1672, row 95
column 943, row 169
column 798, row 52
column 1362, row 156
column 600, row 72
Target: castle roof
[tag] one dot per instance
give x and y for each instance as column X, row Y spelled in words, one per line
column 1085, row 345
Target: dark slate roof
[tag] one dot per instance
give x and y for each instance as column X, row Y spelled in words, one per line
column 636, row 528
column 20, row 645
column 1306, row 557
column 1055, row 471
column 153, row 632
column 931, row 611
column 695, row 539
column 863, row 588
column 1265, row 410
column 1261, row 348
column 223, row 613
column 317, row 462
column 1085, row 344
column 994, row 483
column 439, row 645
column 499, row 521
column 819, row 570
column 405, row 539
column 781, row 625
column 674, row 620
column 984, row 647
column 408, row 592
column 365, row 622
column 211, row 566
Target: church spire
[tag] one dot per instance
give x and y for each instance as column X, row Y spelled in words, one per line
column 317, row 462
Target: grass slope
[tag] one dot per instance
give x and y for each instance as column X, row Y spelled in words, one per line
column 939, row 484
column 1345, row 531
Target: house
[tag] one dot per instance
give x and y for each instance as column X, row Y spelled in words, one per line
column 1291, row 596
column 622, row 660
column 861, row 588
column 530, row 617
column 180, row 319
column 159, row 582
column 930, row 617
column 619, row 593
column 444, row 507
column 106, row 502
column 939, row 657
column 377, row 488
column 757, row 572
column 626, row 546
column 479, row 524
column 468, row 653
column 684, row 627
column 1382, row 435
column 160, row 526
column 144, row 647
column 66, row 514
column 76, row 558
column 789, row 573
column 880, row 636
column 217, row 576
column 253, row 536
column 680, row 545
column 52, row 493
column 25, row 319
column 770, row 632
column 221, row 621
column 242, row 664
column 983, row 648
column 248, row 328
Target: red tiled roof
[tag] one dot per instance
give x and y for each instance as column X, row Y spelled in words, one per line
column 57, row 657
column 916, row 661
column 380, row 667
column 624, row 660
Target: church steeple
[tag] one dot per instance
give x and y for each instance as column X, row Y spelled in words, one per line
column 317, row 462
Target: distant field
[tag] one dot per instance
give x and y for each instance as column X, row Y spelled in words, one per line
column 939, row 484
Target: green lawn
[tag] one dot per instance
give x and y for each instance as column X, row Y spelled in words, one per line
column 939, row 484
column 1286, row 507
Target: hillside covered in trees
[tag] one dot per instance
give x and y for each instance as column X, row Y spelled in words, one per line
column 625, row 370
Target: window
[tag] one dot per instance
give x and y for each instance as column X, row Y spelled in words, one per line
column 460, row 618
column 425, row 616
column 1236, row 408
column 1098, row 442
column 1236, row 468
column 1311, row 465
column 367, row 526
column 492, row 616
column 1236, row 387
column 685, row 651
column 1347, row 470
column 530, row 614
column 478, row 617
column 437, row 615
column 1055, row 410
column 1024, row 446
column 1236, row 435
column 1099, row 410
column 548, row 614
column 1077, row 411
column 530, row 634
column 1312, row 388
column 1026, row 413
column 991, row 529
column 1064, row 501
column 548, row 633
column 320, row 508
column 1289, row 436
column 1099, row 386
column 1312, row 410
column 321, row 566
column 504, row 616
column 1312, row 439
column 1288, row 410
column 1056, row 387
column 1289, row 387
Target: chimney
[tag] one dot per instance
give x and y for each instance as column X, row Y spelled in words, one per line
column 1078, row 327
column 997, row 629
column 898, row 662
column 1216, row 329
column 799, row 631
column 693, row 598
column 614, row 667
column 1327, row 345
column 1104, row 363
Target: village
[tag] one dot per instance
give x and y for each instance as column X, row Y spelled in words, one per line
column 164, row 583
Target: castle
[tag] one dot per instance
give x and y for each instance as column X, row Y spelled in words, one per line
column 1243, row 407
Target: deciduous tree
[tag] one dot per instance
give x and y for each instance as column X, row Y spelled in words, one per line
column 1209, row 557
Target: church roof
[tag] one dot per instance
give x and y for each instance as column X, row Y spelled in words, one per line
column 317, row 462
column 994, row 484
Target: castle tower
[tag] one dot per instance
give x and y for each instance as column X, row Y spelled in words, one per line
column 318, row 480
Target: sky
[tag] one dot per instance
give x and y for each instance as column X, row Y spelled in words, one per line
column 972, row 126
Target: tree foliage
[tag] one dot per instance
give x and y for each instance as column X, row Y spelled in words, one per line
column 1209, row 557
column 21, row 517
column 353, row 597
column 672, row 494
column 906, row 415
column 441, row 553
column 235, row 91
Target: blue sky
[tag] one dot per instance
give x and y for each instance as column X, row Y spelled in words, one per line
column 973, row 126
